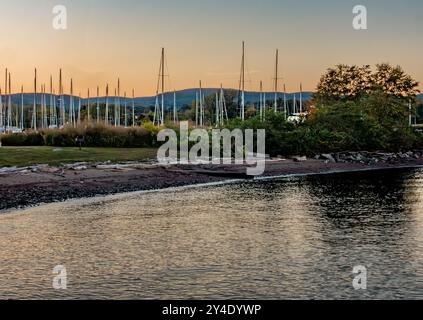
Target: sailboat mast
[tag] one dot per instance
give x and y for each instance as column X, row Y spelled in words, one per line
column 201, row 105
column 9, row 117
column 285, row 109
column 71, row 107
column 106, row 113
column 17, row 119
column 61, row 103
column 163, row 84
column 243, row 82
column 43, row 106
column 261, row 106
column 79, row 109
column 295, row 103
column 117, row 106
column 196, row 109
column 174, row 107
column 98, row 105
column 88, row 107
column 22, row 107
column 1, row 114
column 133, row 107
column 125, row 111
column 217, row 109
column 34, row 110
column 5, row 101
column 301, row 98
column 276, row 80
column 52, row 107
column 115, row 109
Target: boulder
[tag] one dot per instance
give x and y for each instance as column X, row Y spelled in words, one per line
column 328, row 157
column 299, row 159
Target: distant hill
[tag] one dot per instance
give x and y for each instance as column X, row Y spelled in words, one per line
column 183, row 98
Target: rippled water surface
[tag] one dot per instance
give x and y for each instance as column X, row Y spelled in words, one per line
column 280, row 239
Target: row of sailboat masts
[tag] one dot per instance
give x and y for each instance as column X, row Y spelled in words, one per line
column 297, row 107
column 262, row 102
column 49, row 111
column 11, row 115
column 221, row 112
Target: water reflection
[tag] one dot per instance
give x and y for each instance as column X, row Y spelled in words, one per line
column 290, row 238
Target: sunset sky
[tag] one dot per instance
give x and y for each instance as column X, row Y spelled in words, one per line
column 109, row 38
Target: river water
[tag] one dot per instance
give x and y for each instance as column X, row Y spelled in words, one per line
column 289, row 238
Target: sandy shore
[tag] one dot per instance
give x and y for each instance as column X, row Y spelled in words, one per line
column 28, row 188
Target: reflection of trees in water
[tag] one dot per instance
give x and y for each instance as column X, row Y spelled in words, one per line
column 360, row 196
column 373, row 220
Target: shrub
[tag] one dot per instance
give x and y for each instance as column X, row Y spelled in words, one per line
column 30, row 138
column 94, row 135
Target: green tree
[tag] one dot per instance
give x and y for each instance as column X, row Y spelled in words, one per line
column 351, row 83
column 394, row 81
column 343, row 83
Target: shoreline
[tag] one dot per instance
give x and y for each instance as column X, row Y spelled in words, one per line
column 19, row 190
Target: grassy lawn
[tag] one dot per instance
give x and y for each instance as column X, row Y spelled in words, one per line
column 24, row 156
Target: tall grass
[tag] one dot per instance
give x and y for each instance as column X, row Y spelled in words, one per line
column 94, row 136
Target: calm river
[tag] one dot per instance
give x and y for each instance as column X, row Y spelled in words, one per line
column 288, row 238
